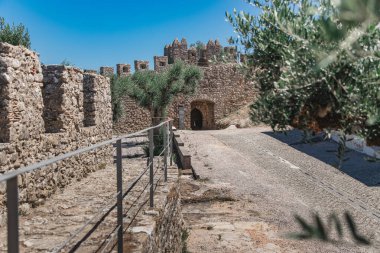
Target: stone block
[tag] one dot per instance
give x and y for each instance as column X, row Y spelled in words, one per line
column 160, row 63
column 141, row 65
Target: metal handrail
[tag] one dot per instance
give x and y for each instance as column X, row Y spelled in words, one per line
column 32, row 167
column 12, row 186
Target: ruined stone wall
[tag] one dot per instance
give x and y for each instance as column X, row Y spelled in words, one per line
column 63, row 98
column 31, row 104
column 223, row 90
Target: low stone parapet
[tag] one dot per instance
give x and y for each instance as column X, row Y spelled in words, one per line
column 178, row 142
column 184, row 157
column 159, row 229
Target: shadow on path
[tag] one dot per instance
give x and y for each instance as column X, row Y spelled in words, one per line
column 356, row 166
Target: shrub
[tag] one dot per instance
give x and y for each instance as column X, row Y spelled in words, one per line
column 15, row 35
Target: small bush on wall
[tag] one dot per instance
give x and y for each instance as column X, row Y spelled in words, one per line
column 15, row 35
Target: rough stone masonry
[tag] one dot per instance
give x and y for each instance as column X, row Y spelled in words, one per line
column 222, row 91
column 47, row 111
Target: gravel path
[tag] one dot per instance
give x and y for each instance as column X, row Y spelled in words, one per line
column 279, row 181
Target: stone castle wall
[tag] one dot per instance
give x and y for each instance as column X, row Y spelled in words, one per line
column 222, row 90
column 45, row 112
column 134, row 117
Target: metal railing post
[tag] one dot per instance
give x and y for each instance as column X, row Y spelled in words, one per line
column 119, row 179
column 151, row 157
column 171, row 142
column 166, row 135
column 12, row 209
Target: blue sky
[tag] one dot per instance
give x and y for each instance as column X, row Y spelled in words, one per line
column 91, row 33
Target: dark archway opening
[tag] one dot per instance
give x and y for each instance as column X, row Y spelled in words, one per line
column 196, row 119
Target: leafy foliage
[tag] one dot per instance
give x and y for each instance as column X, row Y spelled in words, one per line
column 156, row 90
column 319, row 230
column 15, row 35
column 317, row 65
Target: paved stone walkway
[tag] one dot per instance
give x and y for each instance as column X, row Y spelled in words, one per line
column 47, row 227
column 275, row 181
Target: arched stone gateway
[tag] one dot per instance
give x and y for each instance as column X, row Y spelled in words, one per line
column 202, row 115
column 196, row 119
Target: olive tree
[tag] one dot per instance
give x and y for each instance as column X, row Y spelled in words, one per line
column 317, row 64
column 317, row 67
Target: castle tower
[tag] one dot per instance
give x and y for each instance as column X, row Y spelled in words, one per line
column 141, row 65
column 123, row 70
column 175, row 51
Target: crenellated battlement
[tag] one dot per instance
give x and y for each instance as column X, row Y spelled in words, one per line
column 62, row 94
column 141, row 65
column 160, row 62
column 177, row 50
column 106, row 71
column 46, row 111
column 123, row 69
